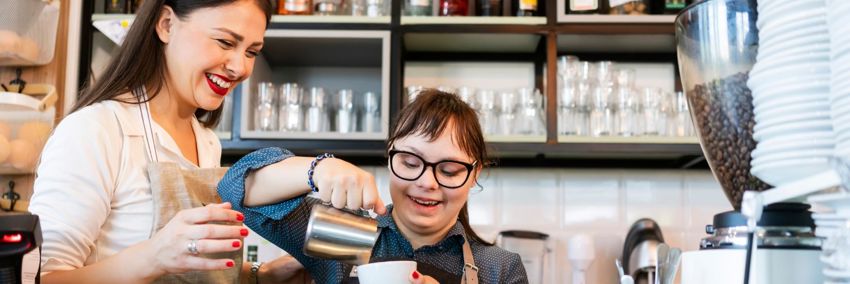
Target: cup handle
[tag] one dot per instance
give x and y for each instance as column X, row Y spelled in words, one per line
column 316, row 200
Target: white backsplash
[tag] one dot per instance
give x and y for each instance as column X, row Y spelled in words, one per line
column 600, row 203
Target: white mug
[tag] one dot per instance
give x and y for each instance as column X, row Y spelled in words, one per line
column 389, row 272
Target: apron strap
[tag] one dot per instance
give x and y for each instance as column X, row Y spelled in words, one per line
column 147, row 123
column 470, row 271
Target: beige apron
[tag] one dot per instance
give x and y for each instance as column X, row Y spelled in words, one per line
column 174, row 189
column 470, row 271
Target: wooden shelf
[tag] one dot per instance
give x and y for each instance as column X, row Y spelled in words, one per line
column 9, row 170
column 409, row 20
column 515, row 138
column 317, row 136
column 104, row 17
column 330, row 19
column 296, row 22
column 311, row 43
column 617, row 19
column 628, row 140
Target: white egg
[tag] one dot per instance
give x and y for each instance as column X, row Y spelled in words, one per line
column 5, row 148
column 5, row 130
column 34, row 131
column 28, row 49
column 23, row 154
column 9, row 41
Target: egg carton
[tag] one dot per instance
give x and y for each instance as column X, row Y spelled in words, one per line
column 26, row 121
column 28, row 31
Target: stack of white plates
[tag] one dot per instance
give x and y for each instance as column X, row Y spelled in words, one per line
column 790, row 84
column 834, row 227
column 839, row 31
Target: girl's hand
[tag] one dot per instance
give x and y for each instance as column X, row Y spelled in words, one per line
column 346, row 186
column 169, row 249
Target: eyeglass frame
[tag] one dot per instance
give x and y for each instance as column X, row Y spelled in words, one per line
column 426, row 164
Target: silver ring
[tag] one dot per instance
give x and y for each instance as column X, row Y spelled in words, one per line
column 193, row 247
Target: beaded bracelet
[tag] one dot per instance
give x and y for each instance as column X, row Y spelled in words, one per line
column 312, row 168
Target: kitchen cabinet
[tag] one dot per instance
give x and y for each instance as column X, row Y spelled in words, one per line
column 385, row 46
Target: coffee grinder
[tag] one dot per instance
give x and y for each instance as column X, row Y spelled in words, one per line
column 717, row 46
column 20, row 248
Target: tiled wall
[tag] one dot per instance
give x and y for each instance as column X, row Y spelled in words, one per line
column 600, row 203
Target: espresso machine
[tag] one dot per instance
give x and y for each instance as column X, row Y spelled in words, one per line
column 717, row 45
column 20, row 248
column 533, row 248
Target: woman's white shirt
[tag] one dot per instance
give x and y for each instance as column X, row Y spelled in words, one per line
column 92, row 193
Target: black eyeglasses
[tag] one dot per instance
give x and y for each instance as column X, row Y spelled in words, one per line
column 448, row 173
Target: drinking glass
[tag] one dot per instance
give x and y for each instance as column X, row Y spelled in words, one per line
column 265, row 111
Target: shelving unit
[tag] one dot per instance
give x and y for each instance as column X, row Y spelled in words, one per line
column 536, row 41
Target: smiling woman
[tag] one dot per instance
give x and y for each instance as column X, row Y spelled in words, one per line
column 110, row 189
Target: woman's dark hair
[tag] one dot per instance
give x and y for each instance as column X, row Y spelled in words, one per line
column 140, row 61
column 429, row 115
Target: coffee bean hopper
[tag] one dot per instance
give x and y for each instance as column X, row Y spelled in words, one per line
column 717, row 44
column 20, row 248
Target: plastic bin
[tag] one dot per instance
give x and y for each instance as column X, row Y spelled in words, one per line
column 26, row 121
column 28, row 31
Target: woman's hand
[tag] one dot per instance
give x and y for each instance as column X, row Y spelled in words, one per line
column 346, row 186
column 169, row 249
column 418, row 278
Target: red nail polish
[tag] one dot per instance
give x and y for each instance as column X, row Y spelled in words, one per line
column 243, row 232
column 415, row 275
column 229, row 264
column 240, row 217
column 236, row 244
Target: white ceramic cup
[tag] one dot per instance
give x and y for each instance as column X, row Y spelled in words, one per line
column 388, row 272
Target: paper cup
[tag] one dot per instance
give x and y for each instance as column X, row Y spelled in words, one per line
column 389, row 272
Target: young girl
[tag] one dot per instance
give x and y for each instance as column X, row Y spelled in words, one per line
column 108, row 173
column 436, row 153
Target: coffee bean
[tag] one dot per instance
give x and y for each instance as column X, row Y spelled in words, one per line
column 725, row 122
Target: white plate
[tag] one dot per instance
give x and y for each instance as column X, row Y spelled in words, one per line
column 816, row 82
column 813, row 72
column 775, row 157
column 764, row 102
column 811, row 43
column 815, row 30
column 812, row 80
column 803, row 149
column 825, row 232
column 781, row 112
column 799, row 127
column 792, row 17
column 814, row 34
column 829, row 216
column 789, row 34
column 840, row 202
column 784, row 72
column 840, row 104
column 843, row 275
column 779, row 173
column 821, row 133
column 831, row 223
column 777, row 6
column 790, row 60
column 809, row 137
column 770, row 119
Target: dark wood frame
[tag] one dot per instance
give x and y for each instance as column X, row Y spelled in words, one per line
column 548, row 154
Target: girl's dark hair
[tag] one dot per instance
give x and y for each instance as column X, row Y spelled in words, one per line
column 140, row 61
column 429, row 115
